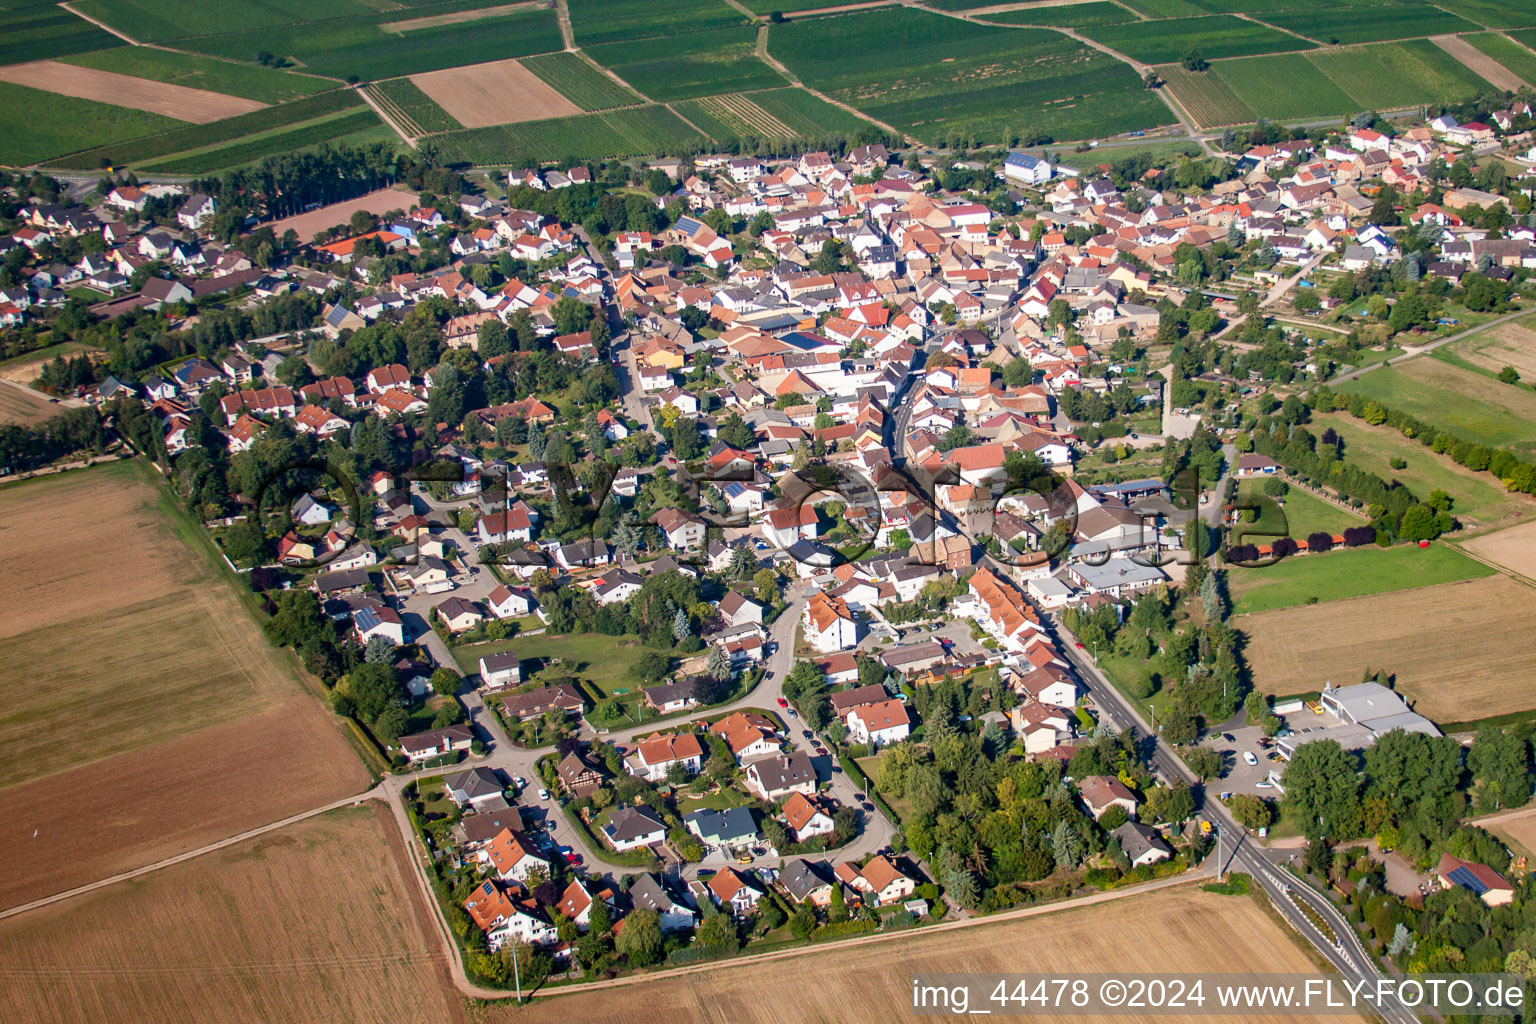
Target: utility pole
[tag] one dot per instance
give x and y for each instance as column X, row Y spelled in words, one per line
column 517, row 972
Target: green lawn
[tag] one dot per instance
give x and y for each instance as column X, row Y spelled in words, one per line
column 1476, row 497
column 600, row 662
column 720, row 800
column 1299, row 515
column 1348, row 573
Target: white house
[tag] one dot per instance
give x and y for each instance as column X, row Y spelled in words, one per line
column 1026, row 169
column 880, row 723
column 829, row 625
column 498, row 671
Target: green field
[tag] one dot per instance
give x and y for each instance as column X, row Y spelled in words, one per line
column 251, row 81
column 410, row 108
column 1167, row 8
column 634, row 131
column 766, row 7
column 38, row 125
column 1476, row 497
column 251, row 150
column 607, row 21
column 1284, row 86
column 788, row 113
column 937, row 77
column 173, row 19
column 1510, row 54
column 1071, row 16
column 1295, row 514
column 1206, row 97
column 1353, row 572
column 1338, row 24
column 578, row 81
column 34, row 34
column 1454, row 399
column 1494, row 13
column 601, row 662
column 1218, row 35
column 143, row 148
column 1395, row 75
column 705, row 63
column 359, row 46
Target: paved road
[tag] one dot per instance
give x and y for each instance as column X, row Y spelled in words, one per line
column 1349, row 957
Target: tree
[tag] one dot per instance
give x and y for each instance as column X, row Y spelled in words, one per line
column 1204, row 762
column 767, row 584
column 1066, row 846
column 1252, row 812
column 379, row 649
column 1113, row 817
column 1323, row 787
column 719, row 664
column 1509, row 375
column 743, row 562
column 1193, row 61
column 1501, row 765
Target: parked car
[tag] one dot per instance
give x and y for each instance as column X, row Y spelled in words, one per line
column 783, row 703
column 807, row 734
column 1080, row 646
column 543, row 794
column 1250, row 758
column 866, row 805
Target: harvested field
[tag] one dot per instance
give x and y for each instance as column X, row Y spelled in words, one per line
column 196, row 105
column 312, row 223
column 1514, row 549
column 318, row 921
column 139, row 694
column 1176, row 929
column 1482, row 64
column 26, row 407
column 1509, row 344
column 1518, row 829
column 1422, row 635
column 134, row 809
column 1464, row 402
column 24, row 369
column 501, row 92
column 457, row 17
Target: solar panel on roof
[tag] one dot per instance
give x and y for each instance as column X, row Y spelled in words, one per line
column 1464, row 877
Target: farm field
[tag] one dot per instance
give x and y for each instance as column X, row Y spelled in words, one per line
column 497, row 93
column 1347, row 573
column 733, row 115
column 360, row 45
column 632, row 131
column 413, row 110
column 188, row 69
column 1084, row 15
column 320, row 920
column 1284, row 86
column 174, row 101
column 701, row 63
column 1399, row 74
column 23, row 369
column 1507, row 52
column 1218, row 35
column 901, row 66
column 1493, row 13
column 290, row 140
column 194, row 689
column 1421, row 635
column 1509, row 344
column 36, row 125
column 1482, row 65
column 144, row 148
column 39, row 33
column 786, row 113
column 1454, row 399
column 1477, row 498
column 1337, row 24
column 174, row 19
column 1174, row 929
column 1513, row 548
column 812, row 117
column 578, row 81
column 1167, row 8
column 606, row 21
column 1518, row 830
column 1206, row 96
column 25, row 406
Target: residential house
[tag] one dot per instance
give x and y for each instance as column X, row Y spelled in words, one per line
column 473, row 788
column 630, row 828
column 878, row 723
column 436, row 742
column 498, row 671
column 1141, row 844
column 653, row 757
column 805, row 817
column 774, row 778
column 1101, row 792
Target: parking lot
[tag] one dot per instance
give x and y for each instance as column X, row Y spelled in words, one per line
column 1238, row 776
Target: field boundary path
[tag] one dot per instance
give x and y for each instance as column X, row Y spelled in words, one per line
column 1277, row 28
column 778, row 65
column 1409, row 351
column 103, row 26
column 563, row 19
column 372, row 794
column 406, row 137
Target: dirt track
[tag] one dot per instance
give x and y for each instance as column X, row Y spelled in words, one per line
column 198, row 106
column 311, row 223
